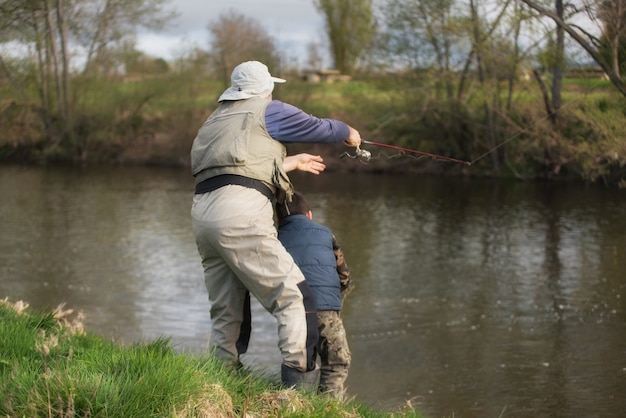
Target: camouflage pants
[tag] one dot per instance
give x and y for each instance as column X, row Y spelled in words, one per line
column 334, row 353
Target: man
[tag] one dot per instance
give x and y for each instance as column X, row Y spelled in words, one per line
column 239, row 163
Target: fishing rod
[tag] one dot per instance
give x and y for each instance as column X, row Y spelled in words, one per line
column 366, row 155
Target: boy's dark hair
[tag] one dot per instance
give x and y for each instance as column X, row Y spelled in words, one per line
column 298, row 205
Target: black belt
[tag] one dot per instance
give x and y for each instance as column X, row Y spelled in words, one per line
column 216, row 182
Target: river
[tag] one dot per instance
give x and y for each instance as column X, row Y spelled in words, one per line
column 473, row 298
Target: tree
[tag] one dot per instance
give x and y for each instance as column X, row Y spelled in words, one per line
column 559, row 62
column 611, row 18
column 431, row 34
column 553, row 59
column 101, row 26
column 350, row 29
column 42, row 24
column 482, row 42
column 314, row 56
column 56, row 32
column 237, row 38
column 587, row 41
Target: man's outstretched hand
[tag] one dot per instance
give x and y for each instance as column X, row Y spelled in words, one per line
column 304, row 162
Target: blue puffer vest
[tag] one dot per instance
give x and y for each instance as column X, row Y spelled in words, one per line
column 311, row 246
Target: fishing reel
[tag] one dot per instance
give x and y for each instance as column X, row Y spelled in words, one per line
column 365, row 155
column 361, row 154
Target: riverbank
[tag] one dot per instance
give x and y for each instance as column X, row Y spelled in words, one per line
column 51, row 366
column 154, row 121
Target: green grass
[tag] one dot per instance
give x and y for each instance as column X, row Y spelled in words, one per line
column 51, row 367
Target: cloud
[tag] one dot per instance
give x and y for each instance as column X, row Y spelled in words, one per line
column 293, row 23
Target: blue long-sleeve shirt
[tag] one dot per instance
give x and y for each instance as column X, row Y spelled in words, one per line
column 286, row 123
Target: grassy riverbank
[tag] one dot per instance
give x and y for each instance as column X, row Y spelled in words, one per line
column 50, row 366
column 504, row 133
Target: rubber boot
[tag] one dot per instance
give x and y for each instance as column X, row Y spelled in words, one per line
column 303, row 381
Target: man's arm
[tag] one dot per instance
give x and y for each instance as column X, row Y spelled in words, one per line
column 287, row 123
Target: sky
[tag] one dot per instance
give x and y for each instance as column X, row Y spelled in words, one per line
column 292, row 23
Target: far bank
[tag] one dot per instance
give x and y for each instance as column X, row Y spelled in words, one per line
column 154, row 121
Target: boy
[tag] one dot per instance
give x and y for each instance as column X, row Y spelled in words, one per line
column 316, row 252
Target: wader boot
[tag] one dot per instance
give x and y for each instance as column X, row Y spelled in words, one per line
column 303, row 381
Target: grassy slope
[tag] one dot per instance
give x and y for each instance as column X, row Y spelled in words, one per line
column 49, row 366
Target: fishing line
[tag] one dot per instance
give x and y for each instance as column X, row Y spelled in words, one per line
column 365, row 156
column 512, row 137
column 435, row 157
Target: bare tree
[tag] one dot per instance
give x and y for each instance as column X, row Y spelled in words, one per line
column 553, row 59
column 350, row 28
column 559, row 62
column 101, row 26
column 314, row 56
column 610, row 16
column 50, row 28
column 586, row 40
column 518, row 18
column 34, row 23
column 64, row 83
column 480, row 44
column 236, row 38
column 427, row 34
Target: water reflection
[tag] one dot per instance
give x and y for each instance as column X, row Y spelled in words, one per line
column 481, row 298
column 473, row 298
column 114, row 243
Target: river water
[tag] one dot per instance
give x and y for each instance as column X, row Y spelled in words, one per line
column 473, row 298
